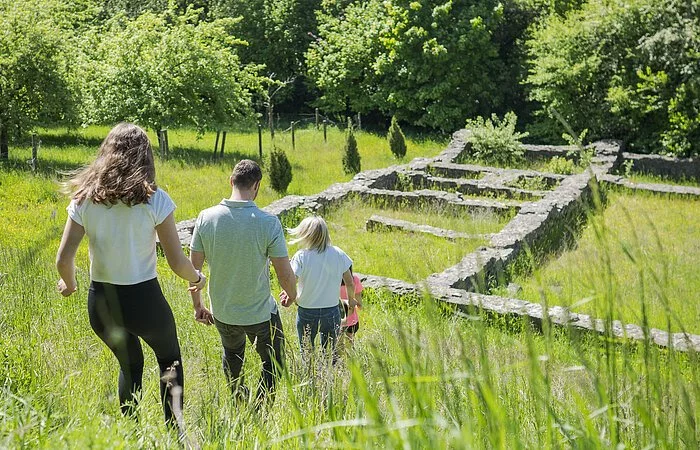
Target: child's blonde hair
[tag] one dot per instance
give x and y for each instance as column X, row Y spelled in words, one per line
column 311, row 233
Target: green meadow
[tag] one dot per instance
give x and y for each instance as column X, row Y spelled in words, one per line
column 418, row 376
column 644, row 248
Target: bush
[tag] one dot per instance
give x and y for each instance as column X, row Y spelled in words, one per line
column 280, row 170
column 495, row 141
column 561, row 165
column 623, row 69
column 397, row 141
column 351, row 157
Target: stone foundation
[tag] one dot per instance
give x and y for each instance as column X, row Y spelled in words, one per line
column 549, row 220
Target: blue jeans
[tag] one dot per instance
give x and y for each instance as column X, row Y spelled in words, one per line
column 312, row 320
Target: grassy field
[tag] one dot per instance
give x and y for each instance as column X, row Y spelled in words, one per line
column 645, row 248
column 418, row 377
column 193, row 177
column 409, row 257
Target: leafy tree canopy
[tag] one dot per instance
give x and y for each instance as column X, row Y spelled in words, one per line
column 277, row 32
column 166, row 70
column 432, row 63
column 34, row 70
column 626, row 69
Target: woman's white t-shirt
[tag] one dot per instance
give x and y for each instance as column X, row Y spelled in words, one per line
column 319, row 276
column 122, row 239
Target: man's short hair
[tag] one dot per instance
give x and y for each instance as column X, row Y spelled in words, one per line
column 246, row 173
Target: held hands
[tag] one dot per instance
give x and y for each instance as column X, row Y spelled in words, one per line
column 199, row 284
column 203, row 315
column 66, row 290
column 285, row 300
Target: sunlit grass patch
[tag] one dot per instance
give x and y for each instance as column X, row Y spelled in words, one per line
column 191, row 175
column 471, row 223
column 640, row 253
column 406, row 256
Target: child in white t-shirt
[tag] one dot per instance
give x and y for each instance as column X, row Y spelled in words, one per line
column 319, row 267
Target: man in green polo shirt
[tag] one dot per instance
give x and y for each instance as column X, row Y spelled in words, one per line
column 239, row 240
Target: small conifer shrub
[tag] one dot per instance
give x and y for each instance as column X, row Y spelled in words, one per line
column 280, row 170
column 397, row 141
column 351, row 157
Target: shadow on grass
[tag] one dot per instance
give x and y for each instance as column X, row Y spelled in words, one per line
column 46, row 167
column 198, row 157
column 70, row 139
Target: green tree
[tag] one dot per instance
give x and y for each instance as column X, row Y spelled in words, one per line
column 340, row 61
column 628, row 69
column 166, row 70
column 34, row 71
column 280, row 170
column 277, row 32
column 430, row 63
column 397, row 141
column 351, row 156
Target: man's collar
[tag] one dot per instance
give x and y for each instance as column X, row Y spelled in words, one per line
column 238, row 203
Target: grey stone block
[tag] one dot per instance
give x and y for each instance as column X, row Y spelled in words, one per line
column 376, row 222
column 670, row 189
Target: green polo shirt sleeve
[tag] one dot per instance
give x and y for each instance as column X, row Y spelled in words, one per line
column 278, row 246
column 196, row 241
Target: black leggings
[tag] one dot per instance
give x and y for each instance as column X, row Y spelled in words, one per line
column 119, row 315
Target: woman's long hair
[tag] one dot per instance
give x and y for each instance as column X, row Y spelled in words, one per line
column 124, row 170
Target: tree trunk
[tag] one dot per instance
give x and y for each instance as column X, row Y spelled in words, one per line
column 161, row 143
column 4, row 150
column 223, row 143
column 167, row 142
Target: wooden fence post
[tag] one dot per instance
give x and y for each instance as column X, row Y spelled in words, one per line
column 271, row 121
column 317, row 118
column 325, row 137
column 163, row 142
column 36, row 142
column 167, row 144
column 359, row 122
column 260, row 142
column 293, row 143
column 4, row 152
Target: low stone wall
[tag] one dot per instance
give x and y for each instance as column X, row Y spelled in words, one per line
column 539, row 227
column 445, row 201
column 666, row 166
column 473, row 303
column 535, row 152
column 535, row 313
column 492, row 174
column 381, row 223
column 668, row 189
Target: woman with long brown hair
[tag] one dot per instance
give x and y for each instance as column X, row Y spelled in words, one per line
column 117, row 204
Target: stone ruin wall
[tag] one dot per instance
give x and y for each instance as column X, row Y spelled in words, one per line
column 543, row 222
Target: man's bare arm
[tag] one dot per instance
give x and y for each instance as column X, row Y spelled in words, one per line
column 285, row 276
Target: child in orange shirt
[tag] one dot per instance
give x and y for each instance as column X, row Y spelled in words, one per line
column 351, row 321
